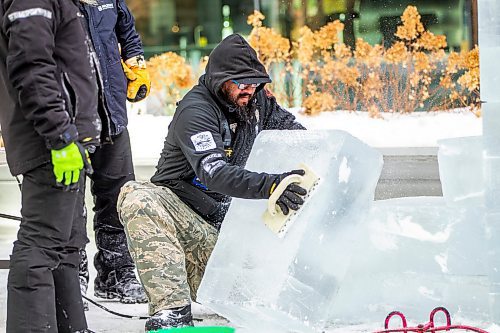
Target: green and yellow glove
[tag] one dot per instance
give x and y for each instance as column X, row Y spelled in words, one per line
column 137, row 75
column 68, row 162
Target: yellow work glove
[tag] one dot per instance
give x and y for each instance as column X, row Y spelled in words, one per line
column 68, row 162
column 137, row 75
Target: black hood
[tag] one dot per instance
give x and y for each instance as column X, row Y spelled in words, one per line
column 233, row 59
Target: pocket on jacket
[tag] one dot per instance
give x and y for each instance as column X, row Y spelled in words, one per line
column 112, row 49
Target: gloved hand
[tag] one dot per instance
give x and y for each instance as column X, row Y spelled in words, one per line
column 68, row 162
column 137, row 75
column 290, row 198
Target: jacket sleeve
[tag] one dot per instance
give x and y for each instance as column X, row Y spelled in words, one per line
column 128, row 37
column 30, row 27
column 197, row 133
column 277, row 117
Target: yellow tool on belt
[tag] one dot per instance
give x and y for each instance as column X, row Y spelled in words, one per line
column 273, row 217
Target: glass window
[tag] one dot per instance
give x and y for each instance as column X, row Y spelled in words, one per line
column 193, row 27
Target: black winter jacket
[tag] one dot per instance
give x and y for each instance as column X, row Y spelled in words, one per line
column 195, row 162
column 48, row 86
column 111, row 27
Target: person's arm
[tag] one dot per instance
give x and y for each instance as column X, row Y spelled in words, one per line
column 31, row 26
column 132, row 54
column 276, row 116
column 197, row 134
column 126, row 33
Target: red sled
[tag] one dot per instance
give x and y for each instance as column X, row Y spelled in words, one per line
column 429, row 327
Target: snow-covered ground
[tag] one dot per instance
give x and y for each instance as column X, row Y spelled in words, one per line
column 148, row 132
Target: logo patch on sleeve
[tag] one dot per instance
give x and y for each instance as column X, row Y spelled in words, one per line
column 203, row 141
column 29, row 13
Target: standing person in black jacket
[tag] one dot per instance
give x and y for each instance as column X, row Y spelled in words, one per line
column 112, row 31
column 49, row 118
column 172, row 222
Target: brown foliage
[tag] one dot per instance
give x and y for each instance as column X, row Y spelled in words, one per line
column 170, row 77
column 414, row 73
column 334, row 77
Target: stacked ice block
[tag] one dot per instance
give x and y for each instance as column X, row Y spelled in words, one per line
column 415, row 254
column 266, row 283
column 489, row 43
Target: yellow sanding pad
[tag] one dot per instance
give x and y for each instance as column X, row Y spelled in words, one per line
column 273, row 217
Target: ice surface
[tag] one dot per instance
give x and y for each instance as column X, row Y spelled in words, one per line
column 461, row 170
column 260, row 281
column 489, row 39
column 491, row 161
column 415, row 254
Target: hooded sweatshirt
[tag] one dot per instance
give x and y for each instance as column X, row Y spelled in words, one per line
column 208, row 144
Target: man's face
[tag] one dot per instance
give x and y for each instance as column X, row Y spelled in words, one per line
column 238, row 97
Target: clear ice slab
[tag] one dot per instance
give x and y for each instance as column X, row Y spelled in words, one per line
column 461, row 170
column 258, row 280
column 415, row 254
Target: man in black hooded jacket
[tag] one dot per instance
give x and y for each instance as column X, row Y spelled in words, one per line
column 49, row 116
column 172, row 222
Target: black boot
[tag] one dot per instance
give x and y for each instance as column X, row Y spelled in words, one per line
column 83, row 275
column 176, row 317
column 121, row 285
column 115, row 269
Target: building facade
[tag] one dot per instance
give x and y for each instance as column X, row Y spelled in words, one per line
column 193, row 27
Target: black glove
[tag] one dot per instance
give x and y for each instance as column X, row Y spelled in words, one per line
column 290, row 198
column 87, row 166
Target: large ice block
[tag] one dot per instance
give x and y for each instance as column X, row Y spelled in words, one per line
column 489, row 45
column 415, row 254
column 270, row 284
column 461, row 170
column 489, row 41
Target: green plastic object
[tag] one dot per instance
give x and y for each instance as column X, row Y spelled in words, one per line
column 199, row 329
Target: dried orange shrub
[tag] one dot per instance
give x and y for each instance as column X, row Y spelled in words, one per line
column 318, row 102
column 413, row 74
column 369, row 61
column 413, row 64
column 329, row 77
column 273, row 51
column 408, row 76
column 170, row 76
column 463, row 66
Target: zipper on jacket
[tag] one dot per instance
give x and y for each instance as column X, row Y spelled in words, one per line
column 70, row 97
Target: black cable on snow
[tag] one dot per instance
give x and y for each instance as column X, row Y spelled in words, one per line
column 10, row 217
column 113, row 312
column 121, row 314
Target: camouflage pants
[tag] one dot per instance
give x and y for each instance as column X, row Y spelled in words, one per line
column 168, row 241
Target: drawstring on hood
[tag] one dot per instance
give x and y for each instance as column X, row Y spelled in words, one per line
column 233, row 59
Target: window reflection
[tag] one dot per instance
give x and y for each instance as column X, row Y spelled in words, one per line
column 193, row 27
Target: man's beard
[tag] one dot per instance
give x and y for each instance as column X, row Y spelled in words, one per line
column 245, row 113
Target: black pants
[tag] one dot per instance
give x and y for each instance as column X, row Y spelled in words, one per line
column 43, row 289
column 112, row 168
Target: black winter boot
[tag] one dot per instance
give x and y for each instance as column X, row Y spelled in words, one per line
column 122, row 286
column 83, row 275
column 170, row 318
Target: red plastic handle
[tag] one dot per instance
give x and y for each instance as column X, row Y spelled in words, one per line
column 392, row 314
column 440, row 309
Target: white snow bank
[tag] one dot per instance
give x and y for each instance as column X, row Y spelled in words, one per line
column 419, row 129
